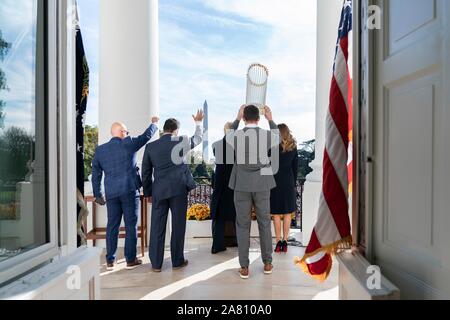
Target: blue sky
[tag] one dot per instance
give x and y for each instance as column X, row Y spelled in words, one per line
column 206, row 47
column 18, row 26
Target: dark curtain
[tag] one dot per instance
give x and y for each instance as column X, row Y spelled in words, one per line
column 82, row 93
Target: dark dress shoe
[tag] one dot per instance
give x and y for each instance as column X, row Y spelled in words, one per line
column 133, row 265
column 184, row 264
column 216, row 251
column 110, row 266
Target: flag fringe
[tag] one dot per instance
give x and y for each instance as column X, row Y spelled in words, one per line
column 331, row 249
column 319, row 277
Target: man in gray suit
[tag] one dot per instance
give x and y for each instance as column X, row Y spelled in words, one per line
column 252, row 179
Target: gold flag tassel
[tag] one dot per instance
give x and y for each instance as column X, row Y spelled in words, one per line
column 331, row 249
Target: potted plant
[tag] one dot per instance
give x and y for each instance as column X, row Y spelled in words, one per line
column 198, row 221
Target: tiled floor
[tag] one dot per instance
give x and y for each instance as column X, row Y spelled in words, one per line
column 214, row 277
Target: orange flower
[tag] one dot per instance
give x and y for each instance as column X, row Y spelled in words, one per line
column 199, row 212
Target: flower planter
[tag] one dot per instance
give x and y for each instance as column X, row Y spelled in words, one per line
column 198, row 229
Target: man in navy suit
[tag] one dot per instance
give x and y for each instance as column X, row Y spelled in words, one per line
column 167, row 179
column 116, row 160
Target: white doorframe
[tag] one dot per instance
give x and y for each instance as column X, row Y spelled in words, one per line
column 67, row 125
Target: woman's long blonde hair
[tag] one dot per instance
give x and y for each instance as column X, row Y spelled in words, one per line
column 288, row 142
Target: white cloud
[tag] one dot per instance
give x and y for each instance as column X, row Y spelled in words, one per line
column 280, row 14
column 17, row 14
column 201, row 59
column 198, row 70
column 183, row 14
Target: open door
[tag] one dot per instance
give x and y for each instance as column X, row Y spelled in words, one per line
column 410, row 114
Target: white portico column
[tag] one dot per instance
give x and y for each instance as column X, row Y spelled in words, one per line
column 129, row 68
column 129, row 64
column 328, row 16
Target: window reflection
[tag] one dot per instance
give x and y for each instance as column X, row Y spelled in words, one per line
column 23, row 196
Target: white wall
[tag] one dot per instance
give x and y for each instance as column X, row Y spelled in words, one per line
column 328, row 16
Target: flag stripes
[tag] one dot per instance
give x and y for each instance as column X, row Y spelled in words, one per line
column 332, row 230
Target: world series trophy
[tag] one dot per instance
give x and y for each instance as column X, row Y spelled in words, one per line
column 257, row 77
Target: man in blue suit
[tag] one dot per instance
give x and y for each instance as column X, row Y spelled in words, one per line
column 167, row 179
column 116, row 160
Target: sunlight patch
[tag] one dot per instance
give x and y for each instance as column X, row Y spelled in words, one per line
column 169, row 290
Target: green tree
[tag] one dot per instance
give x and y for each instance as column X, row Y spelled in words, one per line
column 201, row 171
column 195, row 158
column 4, row 48
column 306, row 154
column 199, row 168
column 16, row 154
column 90, row 144
column 210, row 170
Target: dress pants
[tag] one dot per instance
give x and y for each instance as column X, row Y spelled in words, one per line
column 160, row 210
column 128, row 206
column 244, row 202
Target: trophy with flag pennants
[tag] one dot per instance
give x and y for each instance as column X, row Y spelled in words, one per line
column 257, row 77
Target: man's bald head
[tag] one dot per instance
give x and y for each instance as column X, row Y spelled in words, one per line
column 119, row 130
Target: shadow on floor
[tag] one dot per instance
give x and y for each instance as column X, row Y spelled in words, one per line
column 215, row 277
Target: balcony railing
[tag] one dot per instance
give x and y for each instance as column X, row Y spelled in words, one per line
column 202, row 195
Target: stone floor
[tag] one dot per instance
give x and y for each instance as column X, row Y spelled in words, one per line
column 215, row 277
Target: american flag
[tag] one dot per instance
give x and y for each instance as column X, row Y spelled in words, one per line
column 332, row 231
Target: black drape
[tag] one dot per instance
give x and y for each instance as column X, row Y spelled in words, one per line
column 82, row 92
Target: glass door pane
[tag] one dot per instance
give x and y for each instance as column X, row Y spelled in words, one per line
column 23, row 167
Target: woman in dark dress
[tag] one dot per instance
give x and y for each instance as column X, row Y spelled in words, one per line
column 223, row 212
column 283, row 199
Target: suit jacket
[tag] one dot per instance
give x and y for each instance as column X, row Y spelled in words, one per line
column 117, row 161
column 250, row 171
column 222, row 199
column 165, row 173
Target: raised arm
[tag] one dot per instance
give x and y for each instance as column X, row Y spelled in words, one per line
column 274, row 132
column 197, row 138
column 269, row 117
column 135, row 144
column 229, row 136
column 239, row 118
column 147, row 173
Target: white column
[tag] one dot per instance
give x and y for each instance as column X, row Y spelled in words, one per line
column 154, row 56
column 129, row 64
column 129, row 68
column 328, row 16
